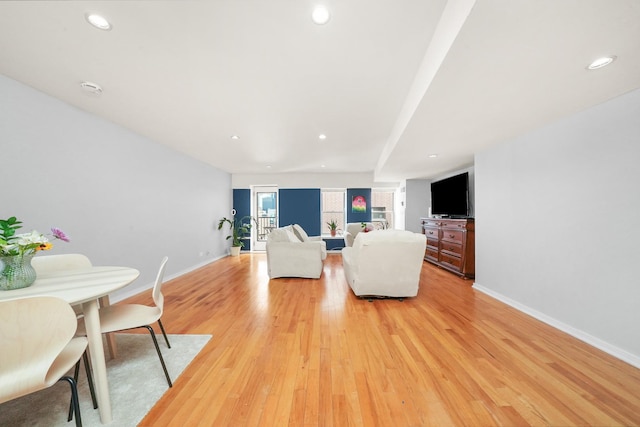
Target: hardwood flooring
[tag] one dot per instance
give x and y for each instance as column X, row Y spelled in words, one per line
column 301, row 352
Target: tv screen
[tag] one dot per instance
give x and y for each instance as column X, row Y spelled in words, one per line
column 450, row 196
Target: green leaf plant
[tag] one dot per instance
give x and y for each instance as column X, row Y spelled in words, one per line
column 238, row 227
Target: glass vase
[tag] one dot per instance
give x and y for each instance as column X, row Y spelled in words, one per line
column 16, row 272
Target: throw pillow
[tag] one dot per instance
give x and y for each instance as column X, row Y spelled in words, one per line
column 292, row 237
column 300, row 233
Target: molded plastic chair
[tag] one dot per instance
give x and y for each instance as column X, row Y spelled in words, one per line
column 54, row 263
column 63, row 262
column 38, row 347
column 121, row 317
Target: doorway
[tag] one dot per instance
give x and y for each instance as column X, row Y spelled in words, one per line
column 265, row 211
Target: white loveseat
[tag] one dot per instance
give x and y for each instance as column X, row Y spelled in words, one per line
column 291, row 253
column 385, row 263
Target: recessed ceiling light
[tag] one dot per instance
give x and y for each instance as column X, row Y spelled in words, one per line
column 601, row 62
column 322, row 136
column 91, row 88
column 433, row 156
column 98, row 21
column 321, row 15
column 235, row 137
column 322, row 166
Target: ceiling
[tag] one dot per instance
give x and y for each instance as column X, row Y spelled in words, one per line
column 388, row 83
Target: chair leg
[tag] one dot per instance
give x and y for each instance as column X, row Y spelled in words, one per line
column 87, row 369
column 75, row 378
column 85, row 360
column 164, row 333
column 74, row 399
column 155, row 342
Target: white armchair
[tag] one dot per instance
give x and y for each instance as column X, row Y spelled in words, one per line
column 385, row 263
column 291, row 253
column 352, row 229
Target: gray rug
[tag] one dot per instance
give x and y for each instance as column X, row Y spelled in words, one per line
column 136, row 382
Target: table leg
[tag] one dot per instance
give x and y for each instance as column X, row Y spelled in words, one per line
column 96, row 351
column 111, row 337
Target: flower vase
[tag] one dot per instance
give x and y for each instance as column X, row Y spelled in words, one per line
column 16, row 272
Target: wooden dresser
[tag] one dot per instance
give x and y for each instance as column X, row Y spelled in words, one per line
column 451, row 244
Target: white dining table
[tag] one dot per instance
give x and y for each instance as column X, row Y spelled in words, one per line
column 84, row 287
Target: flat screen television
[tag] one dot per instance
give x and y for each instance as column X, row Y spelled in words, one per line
column 450, row 196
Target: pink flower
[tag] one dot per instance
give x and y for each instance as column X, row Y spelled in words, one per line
column 59, row 234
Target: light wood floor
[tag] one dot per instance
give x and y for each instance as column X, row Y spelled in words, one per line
column 300, row 352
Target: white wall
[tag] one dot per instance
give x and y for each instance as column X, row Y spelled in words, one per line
column 418, row 200
column 123, row 199
column 557, row 231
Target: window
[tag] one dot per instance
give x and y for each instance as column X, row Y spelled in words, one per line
column 333, row 208
column 382, row 202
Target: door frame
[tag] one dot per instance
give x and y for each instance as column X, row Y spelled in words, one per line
column 260, row 245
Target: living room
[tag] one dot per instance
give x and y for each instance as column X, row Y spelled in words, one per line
column 89, row 177
column 554, row 205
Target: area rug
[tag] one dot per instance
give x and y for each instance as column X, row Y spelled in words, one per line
column 136, row 382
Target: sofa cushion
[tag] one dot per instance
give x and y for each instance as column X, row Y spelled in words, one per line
column 283, row 234
column 300, row 233
column 278, row 235
column 292, row 236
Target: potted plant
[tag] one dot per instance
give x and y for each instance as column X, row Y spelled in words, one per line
column 239, row 228
column 16, row 251
column 333, row 227
column 367, row 227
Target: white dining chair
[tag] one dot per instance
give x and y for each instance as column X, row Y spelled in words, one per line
column 66, row 262
column 38, row 347
column 121, row 317
column 63, row 262
column 56, row 263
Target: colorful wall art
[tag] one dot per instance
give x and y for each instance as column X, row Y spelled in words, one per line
column 358, row 204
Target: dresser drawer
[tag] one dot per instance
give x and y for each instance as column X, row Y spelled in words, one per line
column 432, row 243
column 451, row 248
column 456, row 225
column 451, row 260
column 431, row 232
column 431, row 254
column 456, row 236
column 431, row 223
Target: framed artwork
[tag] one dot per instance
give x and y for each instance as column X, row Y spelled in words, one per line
column 358, row 204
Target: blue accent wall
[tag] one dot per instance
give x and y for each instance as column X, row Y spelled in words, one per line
column 356, row 216
column 300, row 206
column 242, row 205
column 303, row 206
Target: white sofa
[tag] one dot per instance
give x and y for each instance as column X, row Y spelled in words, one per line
column 385, row 263
column 291, row 253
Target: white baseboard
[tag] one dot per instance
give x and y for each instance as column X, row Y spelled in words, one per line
column 614, row 351
column 132, row 290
